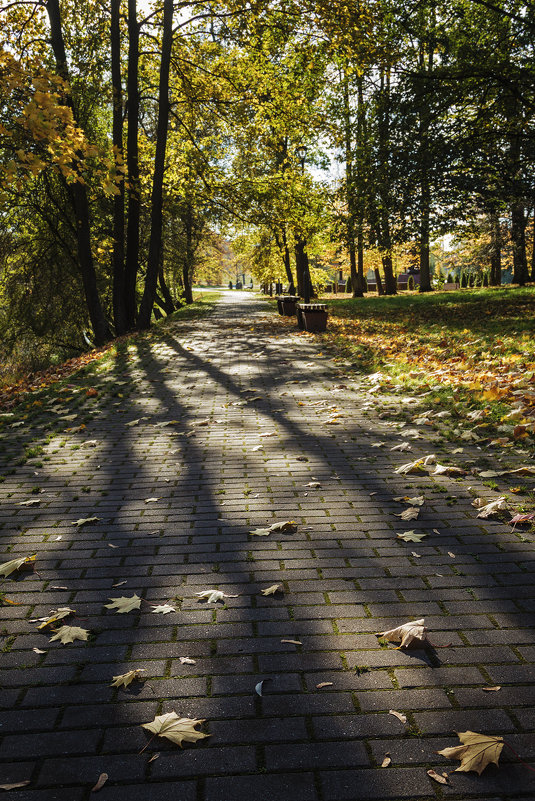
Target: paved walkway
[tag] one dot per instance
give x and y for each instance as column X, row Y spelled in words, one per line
column 234, row 419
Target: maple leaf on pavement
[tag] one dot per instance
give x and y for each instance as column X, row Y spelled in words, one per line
column 124, row 604
column 272, row 590
column 409, row 514
column 411, row 536
column 176, row 729
column 406, row 634
column 55, row 615
column 286, row 525
column 211, row 596
column 164, row 609
column 476, row 752
column 124, row 679
column 16, row 564
column 67, row 634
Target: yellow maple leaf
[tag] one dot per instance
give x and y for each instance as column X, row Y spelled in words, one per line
column 176, row 729
column 476, row 752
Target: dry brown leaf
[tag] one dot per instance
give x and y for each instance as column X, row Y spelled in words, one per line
column 491, row 689
column 386, row 761
column 15, row 785
column 399, row 715
column 102, row 779
column 437, row 777
column 38, row 651
column 286, row 525
column 124, row 679
column 176, row 729
column 409, row 514
column 408, row 633
column 185, row 660
column 153, row 757
column 324, row 684
column 448, row 470
column 293, row 642
column 476, row 752
column 272, row 590
column 212, row 596
column 55, row 615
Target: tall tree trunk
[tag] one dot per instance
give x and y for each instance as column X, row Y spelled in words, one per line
column 518, row 237
column 119, row 305
column 390, row 279
column 282, row 244
column 385, row 236
column 189, row 260
column 78, row 195
column 532, row 277
column 350, row 194
column 299, row 251
column 132, row 162
column 426, row 67
column 360, row 187
column 495, row 249
column 380, row 289
column 155, row 242
column 169, row 305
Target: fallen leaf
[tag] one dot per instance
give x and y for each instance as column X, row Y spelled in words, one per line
column 491, row 689
column 56, row 587
column 89, row 443
column 152, row 500
column 313, row 484
column 403, row 446
column 85, row 521
column 437, row 777
column 212, row 596
column 26, row 562
column 448, row 470
column 185, row 660
column 31, row 502
column 386, row 761
column 398, row 715
column 270, row 434
column 486, row 509
column 124, row 604
column 118, row 584
column 286, row 525
column 293, row 642
column 38, row 651
column 153, row 757
column 324, row 684
column 55, row 615
column 522, row 518
column 67, row 634
column 102, row 779
column 451, row 555
column 476, row 751
column 258, row 688
column 272, row 590
column 164, row 609
column 176, row 729
column 124, row 679
column 412, row 536
column 409, row 514
column 416, row 555
column 406, row 634
column 15, row 785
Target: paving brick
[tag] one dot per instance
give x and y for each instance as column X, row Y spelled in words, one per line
column 298, row 786
column 354, row 785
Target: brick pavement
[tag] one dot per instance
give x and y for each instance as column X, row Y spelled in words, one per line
column 203, row 394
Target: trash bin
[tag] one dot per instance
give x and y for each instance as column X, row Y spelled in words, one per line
column 312, row 317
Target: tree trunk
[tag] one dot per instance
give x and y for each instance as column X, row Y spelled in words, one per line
column 78, row 195
column 169, row 305
column 350, row 194
column 132, row 163
column 360, row 186
column 155, row 242
column 282, row 244
column 495, row 250
column 518, row 237
column 426, row 67
column 390, row 279
column 119, row 305
column 532, row 277
column 188, row 263
column 380, row 290
column 299, row 249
